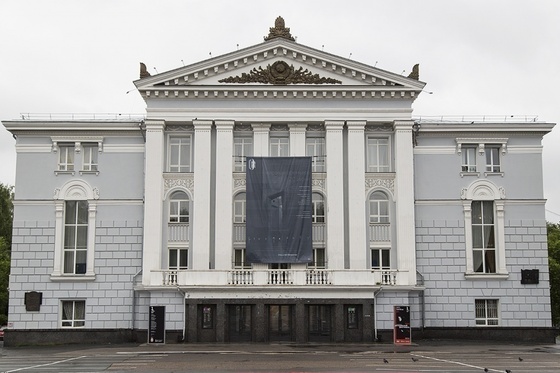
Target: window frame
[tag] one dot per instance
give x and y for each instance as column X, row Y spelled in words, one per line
column 177, row 256
column 179, row 203
column 240, row 208
column 91, row 151
column 66, row 157
column 315, row 147
column 281, row 144
column 245, row 146
column 179, row 167
column 378, row 166
column 316, row 264
column 469, row 159
column 74, row 190
column 493, row 159
column 74, row 225
column 379, row 217
column 488, row 306
column 485, row 190
column 318, row 215
column 242, row 262
column 484, row 236
column 73, row 320
column 382, row 254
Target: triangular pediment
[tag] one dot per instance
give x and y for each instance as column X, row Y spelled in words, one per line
column 279, row 64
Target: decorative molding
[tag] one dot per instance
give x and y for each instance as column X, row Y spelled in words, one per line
column 316, row 128
column 239, row 182
column 481, row 142
column 483, row 190
column 279, row 31
column 179, row 182
column 179, row 128
column 318, row 183
column 379, row 128
column 243, row 128
column 374, row 182
column 280, row 73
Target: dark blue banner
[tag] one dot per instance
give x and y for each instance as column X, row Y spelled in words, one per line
column 279, row 210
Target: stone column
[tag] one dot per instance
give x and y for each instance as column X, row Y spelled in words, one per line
column 357, row 244
column 404, row 194
column 224, row 199
column 297, row 139
column 335, row 191
column 202, row 189
column 153, row 199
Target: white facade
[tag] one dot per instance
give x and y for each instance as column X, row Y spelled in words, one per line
column 439, row 216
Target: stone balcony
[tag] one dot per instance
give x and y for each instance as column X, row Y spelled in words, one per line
column 278, row 278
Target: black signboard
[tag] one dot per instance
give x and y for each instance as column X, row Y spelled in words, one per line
column 156, row 327
column 401, row 333
column 279, row 210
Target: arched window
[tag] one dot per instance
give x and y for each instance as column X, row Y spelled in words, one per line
column 318, row 205
column 179, row 208
column 378, row 208
column 239, row 208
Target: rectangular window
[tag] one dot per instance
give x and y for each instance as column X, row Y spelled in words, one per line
column 239, row 259
column 380, row 258
column 73, row 313
column 75, row 237
column 242, row 147
column 178, row 258
column 377, row 154
column 319, row 259
column 279, row 147
column 483, row 237
column 492, row 153
column 90, row 152
column 179, row 211
column 486, row 312
column 469, row 159
column 315, row 148
column 66, row 157
column 179, row 154
column 318, row 206
column 239, row 208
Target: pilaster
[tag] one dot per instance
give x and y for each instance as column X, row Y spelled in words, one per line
column 335, row 190
column 404, row 194
column 260, row 137
column 297, row 139
column 357, row 244
column 224, row 197
column 202, row 189
column 153, row 198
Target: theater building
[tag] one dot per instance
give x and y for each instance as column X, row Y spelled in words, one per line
column 358, row 207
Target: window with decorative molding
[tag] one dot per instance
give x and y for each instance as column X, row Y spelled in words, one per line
column 378, row 155
column 486, row 312
column 279, row 146
column 492, row 155
column 66, row 157
column 73, row 313
column 239, row 208
column 469, row 158
column 75, row 216
column 89, row 158
column 179, row 207
column 179, row 154
column 318, row 208
column 483, row 208
column 491, row 148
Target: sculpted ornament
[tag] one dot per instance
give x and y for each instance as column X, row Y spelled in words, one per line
column 184, row 183
column 280, row 73
column 388, row 184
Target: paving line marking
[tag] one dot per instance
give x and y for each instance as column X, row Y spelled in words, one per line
column 45, row 365
column 457, row 362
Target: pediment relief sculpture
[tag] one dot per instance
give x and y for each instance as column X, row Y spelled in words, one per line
column 280, row 73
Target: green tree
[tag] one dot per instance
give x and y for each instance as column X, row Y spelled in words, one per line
column 553, row 231
column 6, row 217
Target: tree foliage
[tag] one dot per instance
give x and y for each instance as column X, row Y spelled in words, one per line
column 6, row 217
column 553, row 231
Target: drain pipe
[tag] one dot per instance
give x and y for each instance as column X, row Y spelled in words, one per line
column 134, row 298
column 184, row 313
column 375, row 294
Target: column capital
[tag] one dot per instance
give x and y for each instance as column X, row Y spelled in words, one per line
column 155, row 124
column 333, row 125
column 260, row 127
column 202, row 124
column 297, row 127
column 224, row 125
column 356, row 125
column 403, row 124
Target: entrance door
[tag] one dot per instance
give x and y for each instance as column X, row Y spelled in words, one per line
column 239, row 320
column 320, row 323
column 280, row 322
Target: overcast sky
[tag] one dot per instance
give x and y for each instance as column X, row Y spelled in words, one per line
column 479, row 57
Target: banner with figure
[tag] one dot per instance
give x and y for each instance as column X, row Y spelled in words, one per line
column 278, row 210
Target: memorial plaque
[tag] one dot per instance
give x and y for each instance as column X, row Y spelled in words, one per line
column 33, row 301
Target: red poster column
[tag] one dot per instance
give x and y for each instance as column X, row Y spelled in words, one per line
column 401, row 329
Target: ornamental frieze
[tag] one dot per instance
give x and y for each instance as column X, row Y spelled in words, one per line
column 280, row 73
column 186, row 183
column 374, row 182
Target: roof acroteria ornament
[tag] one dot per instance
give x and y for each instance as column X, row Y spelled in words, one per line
column 279, row 31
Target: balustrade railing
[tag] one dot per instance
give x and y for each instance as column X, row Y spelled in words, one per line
column 279, row 277
column 178, row 232
column 380, row 232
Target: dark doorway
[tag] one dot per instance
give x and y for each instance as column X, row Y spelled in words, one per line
column 239, row 323
column 280, row 322
column 320, row 318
